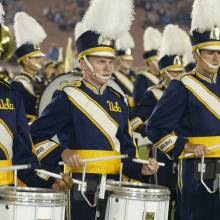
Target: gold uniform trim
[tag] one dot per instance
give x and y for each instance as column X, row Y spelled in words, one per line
column 206, row 78
column 202, row 100
column 205, row 44
column 93, row 121
column 172, row 68
column 112, row 120
column 100, row 167
column 29, row 55
column 6, row 177
column 95, row 49
column 208, row 142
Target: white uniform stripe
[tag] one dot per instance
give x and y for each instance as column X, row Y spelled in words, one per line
column 126, row 81
column 209, row 100
column 155, row 80
column 96, row 113
column 6, row 139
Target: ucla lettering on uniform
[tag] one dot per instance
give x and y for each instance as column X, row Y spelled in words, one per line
column 6, row 104
column 114, row 107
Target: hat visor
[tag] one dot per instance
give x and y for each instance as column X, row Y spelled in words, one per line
column 102, row 54
column 125, row 57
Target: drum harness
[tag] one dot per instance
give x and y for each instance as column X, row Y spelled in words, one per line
column 202, row 167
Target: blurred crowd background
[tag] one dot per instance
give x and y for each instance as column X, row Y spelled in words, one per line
column 59, row 17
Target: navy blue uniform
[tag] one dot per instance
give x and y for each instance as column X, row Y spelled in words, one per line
column 143, row 81
column 24, row 83
column 15, row 141
column 186, row 109
column 92, row 123
column 125, row 81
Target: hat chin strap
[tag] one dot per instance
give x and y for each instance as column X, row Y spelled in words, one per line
column 93, row 71
column 207, row 63
column 169, row 75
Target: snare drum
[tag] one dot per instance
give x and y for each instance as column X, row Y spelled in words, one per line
column 129, row 201
column 31, row 204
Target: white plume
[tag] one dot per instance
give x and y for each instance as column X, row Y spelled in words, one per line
column 2, row 13
column 188, row 56
column 173, row 42
column 152, row 39
column 27, row 30
column 205, row 15
column 125, row 42
column 110, row 18
column 79, row 29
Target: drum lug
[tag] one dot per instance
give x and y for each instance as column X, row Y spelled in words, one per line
column 7, row 206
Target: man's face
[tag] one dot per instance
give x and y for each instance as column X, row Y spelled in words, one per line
column 125, row 64
column 210, row 56
column 103, row 66
column 169, row 75
column 34, row 63
column 153, row 66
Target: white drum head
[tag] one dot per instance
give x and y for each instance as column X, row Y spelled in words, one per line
column 53, row 85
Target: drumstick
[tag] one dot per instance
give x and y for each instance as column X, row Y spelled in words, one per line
column 209, row 149
column 16, row 167
column 146, row 162
column 57, row 176
column 96, row 159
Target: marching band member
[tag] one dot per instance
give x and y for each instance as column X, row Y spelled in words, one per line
column 170, row 52
column 29, row 34
column 190, row 107
column 91, row 118
column 152, row 41
column 124, row 76
column 15, row 140
column 169, row 68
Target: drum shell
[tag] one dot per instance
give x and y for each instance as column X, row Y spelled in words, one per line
column 136, row 201
column 31, row 204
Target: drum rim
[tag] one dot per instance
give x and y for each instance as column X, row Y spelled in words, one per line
column 154, row 191
column 150, row 198
column 31, row 195
column 55, row 78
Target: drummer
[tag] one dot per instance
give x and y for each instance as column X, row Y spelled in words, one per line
column 190, row 106
column 91, row 118
column 15, row 141
column 30, row 57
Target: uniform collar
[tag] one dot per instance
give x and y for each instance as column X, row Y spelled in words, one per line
column 207, row 79
column 97, row 91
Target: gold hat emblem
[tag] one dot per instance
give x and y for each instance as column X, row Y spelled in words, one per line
column 215, row 34
column 105, row 41
column 177, row 60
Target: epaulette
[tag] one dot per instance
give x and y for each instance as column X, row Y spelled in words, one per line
column 76, row 83
column 3, row 83
column 180, row 76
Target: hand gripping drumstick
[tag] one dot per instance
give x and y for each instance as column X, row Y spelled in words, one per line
column 96, row 159
column 55, row 175
column 214, row 147
column 147, row 162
